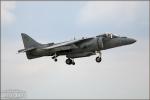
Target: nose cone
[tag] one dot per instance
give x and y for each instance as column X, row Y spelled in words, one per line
column 130, row 40
column 126, row 41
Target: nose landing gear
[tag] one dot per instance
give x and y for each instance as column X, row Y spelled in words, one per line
column 99, row 58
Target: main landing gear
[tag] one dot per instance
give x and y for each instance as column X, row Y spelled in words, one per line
column 99, row 58
column 70, row 61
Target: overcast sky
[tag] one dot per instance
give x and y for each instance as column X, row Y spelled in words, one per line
column 123, row 72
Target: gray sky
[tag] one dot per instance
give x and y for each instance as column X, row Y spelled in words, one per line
column 123, row 72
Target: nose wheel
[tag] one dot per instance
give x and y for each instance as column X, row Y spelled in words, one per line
column 99, row 58
column 70, row 61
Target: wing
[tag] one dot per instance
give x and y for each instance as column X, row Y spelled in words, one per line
column 67, row 45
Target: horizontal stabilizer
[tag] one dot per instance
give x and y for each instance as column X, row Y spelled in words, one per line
column 25, row 50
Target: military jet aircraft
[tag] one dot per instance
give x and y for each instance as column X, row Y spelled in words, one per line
column 76, row 48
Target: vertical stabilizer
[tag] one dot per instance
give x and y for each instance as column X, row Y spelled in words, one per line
column 29, row 42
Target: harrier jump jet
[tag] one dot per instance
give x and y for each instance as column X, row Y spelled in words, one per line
column 75, row 48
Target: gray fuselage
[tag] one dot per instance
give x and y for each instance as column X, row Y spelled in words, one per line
column 85, row 49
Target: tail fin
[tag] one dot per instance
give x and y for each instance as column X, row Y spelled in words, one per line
column 29, row 45
column 29, row 42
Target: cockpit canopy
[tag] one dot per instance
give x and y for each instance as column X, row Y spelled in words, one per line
column 108, row 35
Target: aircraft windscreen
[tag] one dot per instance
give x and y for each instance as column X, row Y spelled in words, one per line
column 114, row 36
column 109, row 35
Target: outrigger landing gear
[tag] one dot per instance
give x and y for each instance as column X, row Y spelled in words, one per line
column 70, row 61
column 99, row 59
column 55, row 57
